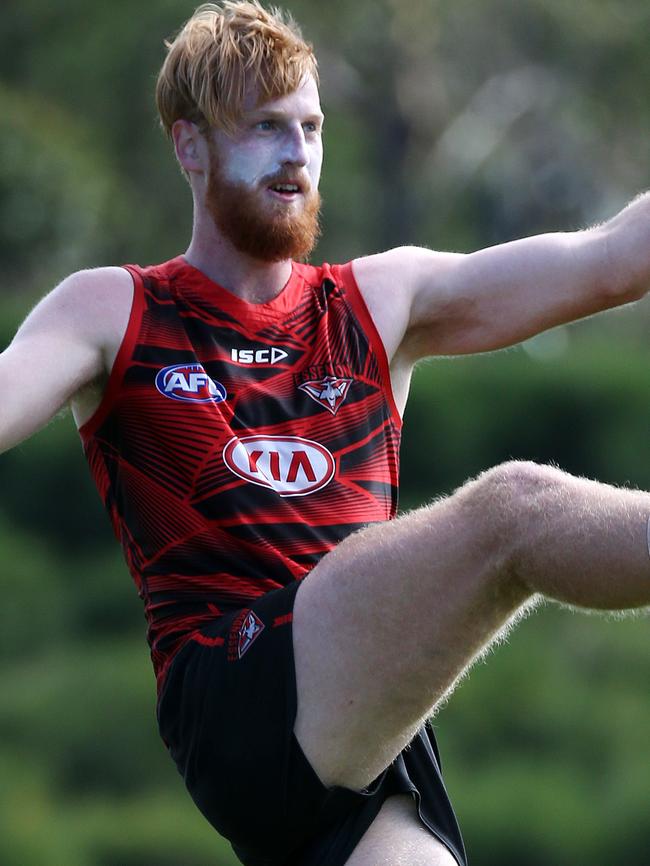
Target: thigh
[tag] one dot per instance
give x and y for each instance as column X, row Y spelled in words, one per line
column 383, row 627
column 396, row 837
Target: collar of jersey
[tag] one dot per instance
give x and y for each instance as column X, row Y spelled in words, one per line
column 193, row 281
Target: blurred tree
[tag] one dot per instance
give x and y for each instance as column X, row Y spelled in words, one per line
column 451, row 124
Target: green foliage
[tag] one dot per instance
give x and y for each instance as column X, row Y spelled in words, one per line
column 451, row 124
column 586, row 410
column 548, row 743
column 58, row 202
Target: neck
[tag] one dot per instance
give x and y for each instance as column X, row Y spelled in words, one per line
column 250, row 279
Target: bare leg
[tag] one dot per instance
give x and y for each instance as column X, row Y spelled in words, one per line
column 387, row 622
column 397, row 838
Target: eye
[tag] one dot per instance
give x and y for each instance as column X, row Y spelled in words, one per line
column 266, row 125
column 311, row 127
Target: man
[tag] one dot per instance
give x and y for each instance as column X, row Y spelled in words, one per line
column 241, row 414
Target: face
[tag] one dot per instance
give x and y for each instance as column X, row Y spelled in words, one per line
column 263, row 182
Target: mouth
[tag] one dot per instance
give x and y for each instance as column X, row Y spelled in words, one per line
column 286, row 190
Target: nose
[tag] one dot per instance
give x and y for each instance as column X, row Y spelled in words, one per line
column 296, row 151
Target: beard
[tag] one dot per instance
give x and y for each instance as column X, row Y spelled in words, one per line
column 270, row 231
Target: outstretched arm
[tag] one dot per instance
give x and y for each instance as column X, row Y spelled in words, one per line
column 64, row 344
column 429, row 303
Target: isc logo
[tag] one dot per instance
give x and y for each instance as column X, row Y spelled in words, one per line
column 190, row 383
column 258, row 356
column 287, row 464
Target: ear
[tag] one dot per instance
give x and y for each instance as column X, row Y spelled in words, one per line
column 188, row 145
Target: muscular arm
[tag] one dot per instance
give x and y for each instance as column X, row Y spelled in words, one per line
column 67, row 342
column 429, row 303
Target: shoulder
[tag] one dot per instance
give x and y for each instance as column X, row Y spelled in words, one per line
column 88, row 289
column 391, row 283
column 95, row 302
column 83, row 302
column 390, row 263
column 88, row 310
column 404, row 269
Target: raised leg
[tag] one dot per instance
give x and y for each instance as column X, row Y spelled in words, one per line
column 386, row 623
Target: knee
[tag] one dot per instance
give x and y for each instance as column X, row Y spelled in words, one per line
column 520, row 482
column 510, row 498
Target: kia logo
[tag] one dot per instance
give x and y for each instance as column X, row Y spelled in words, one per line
column 290, row 465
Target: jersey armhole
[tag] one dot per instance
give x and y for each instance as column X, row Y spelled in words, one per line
column 345, row 275
column 124, row 354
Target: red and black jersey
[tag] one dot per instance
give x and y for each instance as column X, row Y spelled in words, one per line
column 238, row 443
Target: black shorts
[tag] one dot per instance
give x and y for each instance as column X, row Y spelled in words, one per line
column 227, row 713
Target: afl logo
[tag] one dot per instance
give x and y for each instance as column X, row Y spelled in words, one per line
column 287, row 464
column 189, row 383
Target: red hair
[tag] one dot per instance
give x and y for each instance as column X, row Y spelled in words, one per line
column 223, row 49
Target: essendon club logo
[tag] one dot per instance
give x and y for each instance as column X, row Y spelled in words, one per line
column 330, row 391
column 246, row 628
column 290, row 465
column 189, row 383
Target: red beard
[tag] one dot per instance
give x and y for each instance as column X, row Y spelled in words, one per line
column 268, row 231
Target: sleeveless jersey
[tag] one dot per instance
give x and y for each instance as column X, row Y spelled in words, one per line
column 238, row 443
